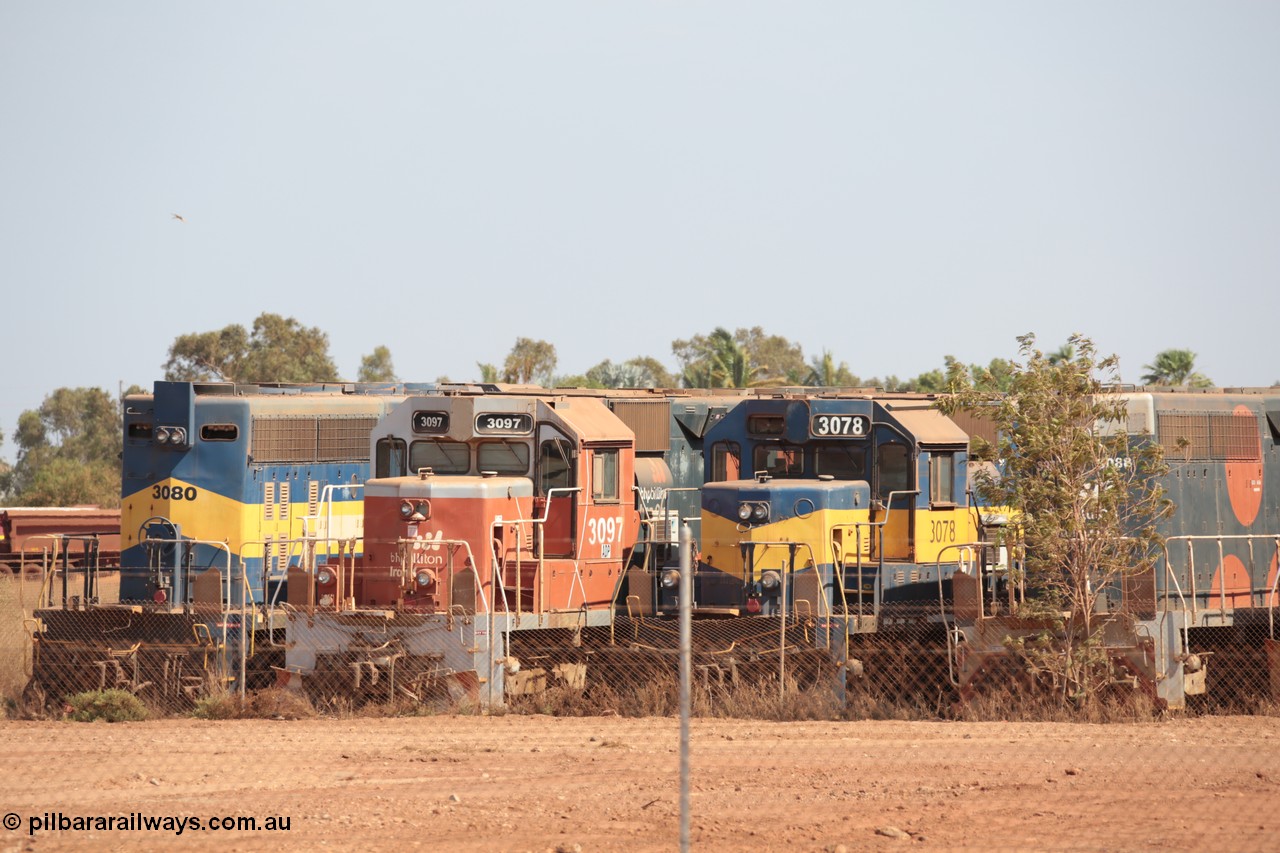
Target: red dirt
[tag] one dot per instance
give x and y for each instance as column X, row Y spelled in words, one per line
column 606, row 783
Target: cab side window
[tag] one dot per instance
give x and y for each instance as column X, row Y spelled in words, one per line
column 942, row 477
column 604, row 476
column 555, row 465
column 894, row 460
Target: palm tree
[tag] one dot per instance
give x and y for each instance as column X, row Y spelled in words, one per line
column 1064, row 353
column 1175, row 367
column 824, row 371
column 730, row 364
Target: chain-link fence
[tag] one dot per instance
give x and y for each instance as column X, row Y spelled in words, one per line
column 907, row 663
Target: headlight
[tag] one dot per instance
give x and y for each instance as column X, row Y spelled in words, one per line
column 771, row 580
column 760, row 512
column 425, row 578
column 671, row 578
column 744, row 511
column 177, row 435
column 162, row 435
column 406, row 509
column 324, row 577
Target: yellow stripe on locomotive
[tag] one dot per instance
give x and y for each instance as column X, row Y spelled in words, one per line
column 207, row 516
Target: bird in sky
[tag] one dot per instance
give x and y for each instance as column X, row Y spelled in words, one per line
column 179, row 217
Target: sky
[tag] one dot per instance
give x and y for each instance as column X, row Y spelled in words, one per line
column 892, row 182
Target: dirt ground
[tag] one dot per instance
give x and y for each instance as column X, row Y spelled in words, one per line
column 607, row 783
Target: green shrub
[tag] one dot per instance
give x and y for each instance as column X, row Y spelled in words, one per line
column 113, row 706
column 222, row 706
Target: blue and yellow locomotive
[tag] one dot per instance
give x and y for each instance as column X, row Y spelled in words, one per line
column 851, row 502
column 219, row 483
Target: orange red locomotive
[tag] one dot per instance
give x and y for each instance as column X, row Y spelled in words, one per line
column 488, row 515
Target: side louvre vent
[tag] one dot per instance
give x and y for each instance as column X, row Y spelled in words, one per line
column 649, row 420
column 1196, row 437
column 335, row 438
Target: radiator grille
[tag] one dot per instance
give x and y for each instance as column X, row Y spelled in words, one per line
column 344, row 439
column 333, row 438
column 1210, row 437
column 649, row 420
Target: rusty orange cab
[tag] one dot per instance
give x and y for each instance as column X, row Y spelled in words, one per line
column 510, row 504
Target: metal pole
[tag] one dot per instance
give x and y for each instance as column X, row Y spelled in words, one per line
column 686, row 667
column 244, row 614
column 782, row 632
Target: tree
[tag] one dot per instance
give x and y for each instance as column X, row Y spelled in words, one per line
column 781, row 359
column 68, row 450
column 997, row 376
column 823, row 371
column 488, row 373
column 6, row 474
column 1066, row 352
column 634, row 373
column 279, row 349
column 930, row 382
column 1175, row 367
column 1086, row 499
column 377, row 366
column 529, row 361
column 744, row 359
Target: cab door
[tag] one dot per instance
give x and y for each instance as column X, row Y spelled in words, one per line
column 894, row 486
column 944, row 520
column 557, row 479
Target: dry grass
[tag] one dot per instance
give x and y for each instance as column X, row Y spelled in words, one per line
column 17, row 600
column 19, row 597
column 1031, row 706
column 273, row 704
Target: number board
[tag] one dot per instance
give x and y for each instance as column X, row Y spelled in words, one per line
column 840, row 426
column 431, row 423
column 504, row 423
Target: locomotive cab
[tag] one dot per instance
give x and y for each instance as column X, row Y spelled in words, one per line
column 833, row 506
column 499, row 504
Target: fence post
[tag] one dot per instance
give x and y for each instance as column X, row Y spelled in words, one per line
column 686, row 667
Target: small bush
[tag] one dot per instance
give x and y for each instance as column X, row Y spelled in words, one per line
column 222, row 706
column 113, row 706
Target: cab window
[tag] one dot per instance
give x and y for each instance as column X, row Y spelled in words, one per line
column 725, row 461
column 895, row 468
column 779, row 460
column 842, row 461
column 942, row 476
column 389, row 461
column 442, row 457
column 555, row 465
column 765, row 424
column 604, row 476
column 503, row 457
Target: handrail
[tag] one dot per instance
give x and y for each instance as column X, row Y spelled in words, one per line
column 455, row 543
column 225, row 608
column 856, row 527
column 783, row 543
column 541, row 545
column 1220, row 540
column 975, row 549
